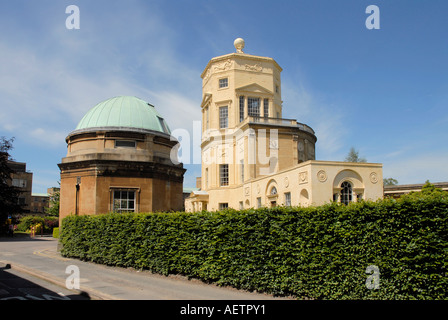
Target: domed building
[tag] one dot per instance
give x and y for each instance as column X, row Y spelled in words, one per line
column 119, row 160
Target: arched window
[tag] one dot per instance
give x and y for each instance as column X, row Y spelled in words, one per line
column 346, row 192
column 273, row 191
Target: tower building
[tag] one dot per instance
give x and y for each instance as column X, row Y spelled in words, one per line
column 252, row 156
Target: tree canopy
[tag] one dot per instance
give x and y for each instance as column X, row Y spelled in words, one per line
column 353, row 156
column 390, row 182
column 8, row 193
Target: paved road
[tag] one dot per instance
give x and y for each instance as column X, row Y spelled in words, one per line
column 17, row 285
column 39, row 258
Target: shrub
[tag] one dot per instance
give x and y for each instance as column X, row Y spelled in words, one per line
column 47, row 222
column 56, row 233
column 316, row 252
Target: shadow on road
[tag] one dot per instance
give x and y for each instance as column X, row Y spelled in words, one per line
column 24, row 237
column 13, row 287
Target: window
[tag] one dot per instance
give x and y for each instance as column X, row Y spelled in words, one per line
column 266, row 108
column 224, row 174
column 206, row 177
column 288, row 199
column 223, row 83
column 207, row 118
column 125, row 144
column 223, row 117
column 241, row 108
column 346, row 192
column 241, row 205
column 241, row 171
column 253, row 107
column 124, row 201
column 163, row 125
column 20, row 183
column 223, row 206
column 259, row 202
column 273, row 191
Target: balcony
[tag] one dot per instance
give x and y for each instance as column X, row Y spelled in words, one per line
column 267, row 121
column 277, row 122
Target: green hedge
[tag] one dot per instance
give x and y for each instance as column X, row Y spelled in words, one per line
column 316, row 252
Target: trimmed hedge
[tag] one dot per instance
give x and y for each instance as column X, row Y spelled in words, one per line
column 316, row 252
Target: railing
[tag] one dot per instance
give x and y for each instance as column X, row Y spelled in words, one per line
column 279, row 122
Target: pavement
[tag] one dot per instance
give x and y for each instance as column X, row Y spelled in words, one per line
column 39, row 257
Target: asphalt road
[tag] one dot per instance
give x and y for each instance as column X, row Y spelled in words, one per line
column 17, row 285
column 39, row 271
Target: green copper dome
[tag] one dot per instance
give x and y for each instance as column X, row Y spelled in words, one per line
column 121, row 113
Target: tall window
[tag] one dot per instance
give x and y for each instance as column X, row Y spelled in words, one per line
column 223, row 117
column 253, row 107
column 124, row 201
column 346, row 192
column 242, row 171
column 241, row 108
column 259, row 202
column 266, row 108
column 206, row 177
column 224, row 174
column 287, row 198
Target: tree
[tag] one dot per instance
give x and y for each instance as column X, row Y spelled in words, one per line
column 390, row 182
column 8, row 193
column 53, row 209
column 428, row 190
column 353, row 156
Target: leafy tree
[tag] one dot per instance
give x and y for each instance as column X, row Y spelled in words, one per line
column 8, row 193
column 53, row 210
column 390, row 182
column 353, row 156
column 428, row 190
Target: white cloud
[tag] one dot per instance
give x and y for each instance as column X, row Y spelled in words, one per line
column 46, row 137
column 179, row 110
column 46, row 87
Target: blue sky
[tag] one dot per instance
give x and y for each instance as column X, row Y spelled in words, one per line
column 384, row 92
